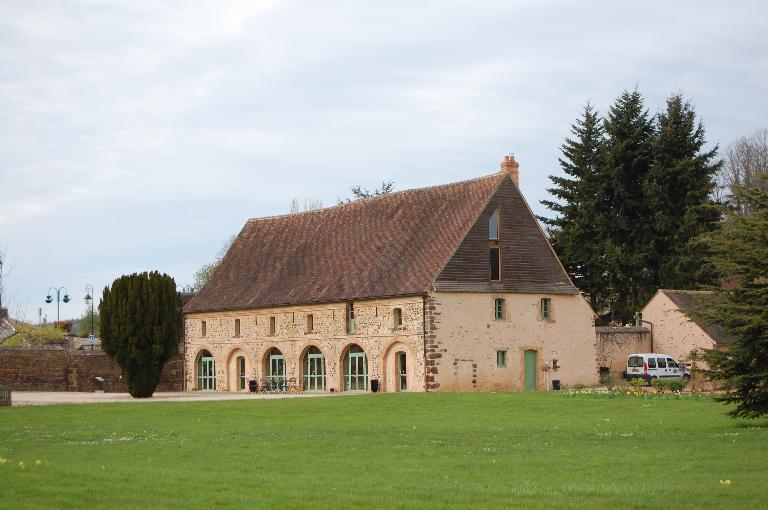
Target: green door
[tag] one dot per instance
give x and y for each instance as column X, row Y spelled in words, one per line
column 402, row 372
column 530, row 370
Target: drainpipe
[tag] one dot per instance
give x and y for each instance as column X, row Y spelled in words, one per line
column 639, row 321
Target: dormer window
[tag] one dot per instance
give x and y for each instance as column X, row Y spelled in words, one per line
column 493, row 226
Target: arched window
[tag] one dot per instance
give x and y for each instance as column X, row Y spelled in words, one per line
column 355, row 369
column 206, row 372
column 276, row 369
column 314, row 370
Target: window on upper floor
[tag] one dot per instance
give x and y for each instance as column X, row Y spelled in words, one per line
column 203, row 328
column 272, row 326
column 310, row 323
column 498, row 309
column 397, row 318
column 546, row 309
column 494, row 255
column 493, row 226
column 237, row 328
column 351, row 318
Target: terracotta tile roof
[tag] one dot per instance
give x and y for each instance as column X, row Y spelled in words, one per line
column 687, row 300
column 390, row 245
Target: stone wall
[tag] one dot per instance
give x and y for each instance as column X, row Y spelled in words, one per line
column 615, row 344
column 375, row 333
column 56, row 369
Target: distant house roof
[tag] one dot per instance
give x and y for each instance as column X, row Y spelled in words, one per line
column 686, row 301
column 390, row 245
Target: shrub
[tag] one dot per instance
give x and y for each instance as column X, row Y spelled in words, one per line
column 637, row 382
column 141, row 326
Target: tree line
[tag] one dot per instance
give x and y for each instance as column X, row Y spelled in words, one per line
column 637, row 190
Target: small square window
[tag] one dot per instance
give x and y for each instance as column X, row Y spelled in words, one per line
column 272, row 326
column 397, row 316
column 203, row 329
column 501, row 359
column 546, row 309
column 498, row 309
column 237, row 327
column 310, row 323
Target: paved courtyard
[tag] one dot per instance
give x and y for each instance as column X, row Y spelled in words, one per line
column 25, row 398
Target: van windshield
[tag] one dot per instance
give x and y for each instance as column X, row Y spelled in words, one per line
column 635, row 362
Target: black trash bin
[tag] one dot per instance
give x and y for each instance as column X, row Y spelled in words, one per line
column 556, row 384
column 252, row 386
column 375, row 385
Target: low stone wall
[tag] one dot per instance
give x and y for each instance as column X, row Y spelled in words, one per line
column 614, row 344
column 57, row 369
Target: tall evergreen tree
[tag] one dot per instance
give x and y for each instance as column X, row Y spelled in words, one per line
column 141, row 326
column 574, row 231
column 629, row 241
column 739, row 253
column 679, row 189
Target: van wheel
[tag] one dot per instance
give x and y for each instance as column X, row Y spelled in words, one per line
column 650, row 381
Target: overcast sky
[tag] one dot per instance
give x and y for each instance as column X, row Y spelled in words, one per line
column 140, row 135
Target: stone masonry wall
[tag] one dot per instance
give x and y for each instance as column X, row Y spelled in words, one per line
column 614, row 344
column 375, row 333
column 56, row 369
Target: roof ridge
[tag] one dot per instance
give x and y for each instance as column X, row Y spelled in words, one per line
column 372, row 198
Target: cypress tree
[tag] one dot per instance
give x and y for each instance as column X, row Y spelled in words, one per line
column 679, row 188
column 574, row 231
column 629, row 241
column 739, row 254
column 141, row 326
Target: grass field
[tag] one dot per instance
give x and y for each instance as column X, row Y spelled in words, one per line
column 526, row 450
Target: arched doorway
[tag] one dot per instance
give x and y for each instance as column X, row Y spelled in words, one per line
column 313, row 369
column 206, row 371
column 398, row 368
column 237, row 370
column 275, row 369
column 355, row 369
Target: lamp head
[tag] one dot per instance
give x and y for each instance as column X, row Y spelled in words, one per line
column 88, row 299
column 48, row 299
column 66, row 298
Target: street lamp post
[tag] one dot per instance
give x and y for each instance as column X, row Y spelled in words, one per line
column 49, row 299
column 89, row 301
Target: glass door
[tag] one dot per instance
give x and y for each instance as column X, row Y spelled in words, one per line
column 276, row 375
column 402, row 372
column 240, row 373
column 357, row 370
column 314, row 372
column 206, row 378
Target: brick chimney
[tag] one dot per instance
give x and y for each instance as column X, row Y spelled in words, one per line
column 510, row 166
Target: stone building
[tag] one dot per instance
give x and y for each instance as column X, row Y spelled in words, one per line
column 673, row 331
column 452, row 287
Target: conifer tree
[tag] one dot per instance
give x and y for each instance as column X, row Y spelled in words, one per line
column 574, row 231
column 629, row 242
column 739, row 254
column 141, row 326
column 679, row 189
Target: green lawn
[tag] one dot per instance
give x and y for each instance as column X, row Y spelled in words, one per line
column 526, row 450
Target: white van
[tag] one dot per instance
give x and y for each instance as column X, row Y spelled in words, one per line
column 650, row 366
